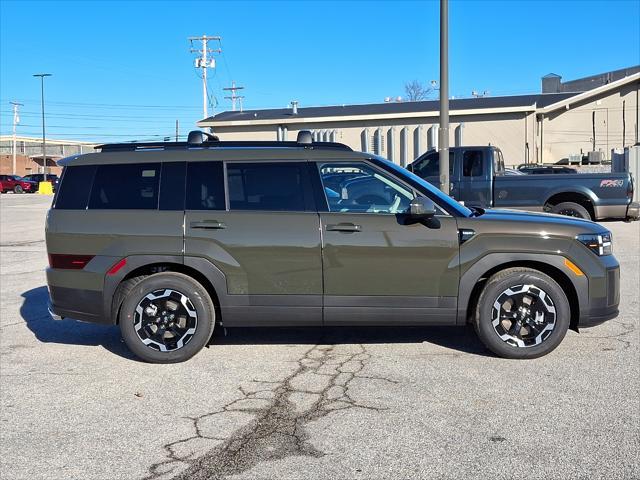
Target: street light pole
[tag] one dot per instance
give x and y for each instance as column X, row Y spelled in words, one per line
column 444, row 96
column 44, row 141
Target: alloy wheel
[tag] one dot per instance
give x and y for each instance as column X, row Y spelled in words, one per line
column 523, row 316
column 165, row 320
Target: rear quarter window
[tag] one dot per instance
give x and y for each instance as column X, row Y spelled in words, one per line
column 126, row 187
column 73, row 193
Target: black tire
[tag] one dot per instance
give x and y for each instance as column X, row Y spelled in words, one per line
column 136, row 291
column 520, row 278
column 571, row 209
column 18, row 189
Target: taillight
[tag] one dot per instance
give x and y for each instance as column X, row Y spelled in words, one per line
column 68, row 261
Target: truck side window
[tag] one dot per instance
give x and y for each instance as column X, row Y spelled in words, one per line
column 472, row 163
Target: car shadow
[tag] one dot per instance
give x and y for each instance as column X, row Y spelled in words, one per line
column 72, row 332
column 68, row 332
column 458, row 339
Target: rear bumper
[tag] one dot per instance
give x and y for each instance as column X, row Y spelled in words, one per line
column 633, row 211
column 76, row 303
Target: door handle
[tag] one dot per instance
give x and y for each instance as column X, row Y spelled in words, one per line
column 344, row 227
column 208, row 224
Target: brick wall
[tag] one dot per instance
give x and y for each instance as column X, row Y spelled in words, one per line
column 24, row 166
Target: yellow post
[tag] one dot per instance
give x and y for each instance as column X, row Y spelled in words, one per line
column 45, row 188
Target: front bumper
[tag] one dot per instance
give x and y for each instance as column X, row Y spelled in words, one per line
column 604, row 306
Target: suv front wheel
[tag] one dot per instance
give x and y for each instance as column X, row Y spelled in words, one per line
column 166, row 317
column 522, row 313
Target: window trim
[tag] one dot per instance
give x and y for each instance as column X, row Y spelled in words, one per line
column 308, row 197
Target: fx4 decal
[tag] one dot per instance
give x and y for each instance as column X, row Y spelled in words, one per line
column 611, row 183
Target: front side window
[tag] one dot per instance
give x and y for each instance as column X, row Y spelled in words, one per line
column 429, row 166
column 126, row 186
column 277, row 186
column 361, row 188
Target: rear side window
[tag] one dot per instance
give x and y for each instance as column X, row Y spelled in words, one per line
column 126, row 186
column 472, row 163
column 73, row 193
column 205, row 181
column 269, row 186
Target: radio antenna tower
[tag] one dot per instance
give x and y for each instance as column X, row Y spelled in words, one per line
column 233, row 96
column 205, row 60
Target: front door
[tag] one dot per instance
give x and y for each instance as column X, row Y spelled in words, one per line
column 265, row 238
column 376, row 268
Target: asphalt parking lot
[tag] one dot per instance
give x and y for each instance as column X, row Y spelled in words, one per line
column 304, row 404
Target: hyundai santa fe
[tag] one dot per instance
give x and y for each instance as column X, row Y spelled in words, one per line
column 169, row 240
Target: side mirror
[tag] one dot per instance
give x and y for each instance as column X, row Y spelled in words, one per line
column 422, row 208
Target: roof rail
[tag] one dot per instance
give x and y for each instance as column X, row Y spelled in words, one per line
column 198, row 139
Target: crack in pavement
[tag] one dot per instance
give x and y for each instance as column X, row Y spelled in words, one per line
column 278, row 413
column 619, row 337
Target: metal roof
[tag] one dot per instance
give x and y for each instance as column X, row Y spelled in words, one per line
column 514, row 101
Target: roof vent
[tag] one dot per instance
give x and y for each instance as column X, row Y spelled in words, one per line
column 305, row 137
column 294, row 107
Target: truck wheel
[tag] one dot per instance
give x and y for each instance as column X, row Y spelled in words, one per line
column 522, row 313
column 17, row 189
column 572, row 210
column 166, row 317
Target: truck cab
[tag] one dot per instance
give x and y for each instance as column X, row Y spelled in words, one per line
column 478, row 179
column 471, row 172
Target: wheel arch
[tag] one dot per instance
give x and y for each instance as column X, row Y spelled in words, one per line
column 201, row 270
column 584, row 198
column 472, row 282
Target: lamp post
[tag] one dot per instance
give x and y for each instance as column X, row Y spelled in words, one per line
column 444, row 96
column 44, row 141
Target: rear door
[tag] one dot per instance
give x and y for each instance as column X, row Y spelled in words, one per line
column 377, row 268
column 261, row 229
column 428, row 168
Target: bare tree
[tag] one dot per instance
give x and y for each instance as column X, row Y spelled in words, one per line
column 416, row 91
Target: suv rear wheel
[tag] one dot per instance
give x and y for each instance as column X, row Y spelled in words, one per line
column 522, row 313
column 166, row 317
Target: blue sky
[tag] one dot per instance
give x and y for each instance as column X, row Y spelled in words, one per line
column 122, row 69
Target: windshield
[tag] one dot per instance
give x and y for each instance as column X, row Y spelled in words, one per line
column 444, row 200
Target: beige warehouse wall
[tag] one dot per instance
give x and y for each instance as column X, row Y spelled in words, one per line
column 504, row 130
column 517, row 134
column 567, row 132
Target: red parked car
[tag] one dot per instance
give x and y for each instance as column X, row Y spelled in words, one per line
column 14, row 183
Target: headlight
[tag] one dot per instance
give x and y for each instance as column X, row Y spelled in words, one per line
column 599, row 243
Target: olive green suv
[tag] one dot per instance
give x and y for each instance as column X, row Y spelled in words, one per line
column 169, row 240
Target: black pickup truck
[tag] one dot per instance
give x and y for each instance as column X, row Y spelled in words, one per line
column 478, row 179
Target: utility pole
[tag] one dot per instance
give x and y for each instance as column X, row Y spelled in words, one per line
column 16, row 121
column 177, row 125
column 204, row 61
column 44, row 142
column 233, row 96
column 444, row 96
